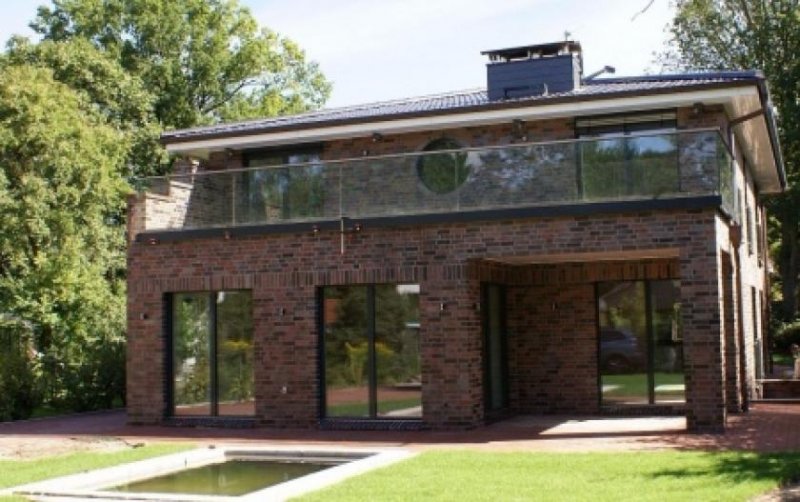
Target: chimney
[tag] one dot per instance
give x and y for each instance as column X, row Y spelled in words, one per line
column 534, row 70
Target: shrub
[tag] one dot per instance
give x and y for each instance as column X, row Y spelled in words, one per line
column 17, row 378
column 785, row 335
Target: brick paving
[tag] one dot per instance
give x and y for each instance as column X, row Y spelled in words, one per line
column 766, row 428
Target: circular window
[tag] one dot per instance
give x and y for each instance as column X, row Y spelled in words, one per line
column 442, row 172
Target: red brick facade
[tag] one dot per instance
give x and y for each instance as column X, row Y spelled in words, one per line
column 551, row 308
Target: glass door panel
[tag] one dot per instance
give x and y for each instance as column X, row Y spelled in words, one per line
column 398, row 377
column 495, row 350
column 347, row 365
column 234, row 353
column 623, row 343
column 665, row 316
column 191, row 343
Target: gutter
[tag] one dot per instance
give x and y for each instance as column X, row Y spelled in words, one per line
column 772, row 126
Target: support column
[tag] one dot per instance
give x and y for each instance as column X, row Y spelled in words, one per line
column 703, row 343
column 451, row 348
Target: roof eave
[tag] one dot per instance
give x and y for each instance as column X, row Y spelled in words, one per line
column 168, row 139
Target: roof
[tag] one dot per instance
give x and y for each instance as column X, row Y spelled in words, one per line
column 468, row 100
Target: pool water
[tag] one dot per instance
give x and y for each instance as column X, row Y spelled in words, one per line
column 234, row 477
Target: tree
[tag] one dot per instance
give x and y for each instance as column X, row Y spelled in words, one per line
column 204, row 60
column 724, row 34
column 60, row 185
column 119, row 97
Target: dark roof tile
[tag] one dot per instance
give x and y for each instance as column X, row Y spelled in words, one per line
column 453, row 101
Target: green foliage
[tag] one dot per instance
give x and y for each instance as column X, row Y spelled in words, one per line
column 784, row 335
column 17, row 378
column 60, row 187
column 739, row 34
column 204, row 60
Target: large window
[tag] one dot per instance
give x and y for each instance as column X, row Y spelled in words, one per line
column 630, row 155
column 371, row 357
column 641, row 345
column 212, row 354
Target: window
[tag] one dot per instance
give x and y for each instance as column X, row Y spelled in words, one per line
column 632, row 155
column 442, row 173
column 640, row 342
column 494, row 352
column 759, row 235
column 750, row 232
column 371, row 351
column 211, row 347
column 289, row 187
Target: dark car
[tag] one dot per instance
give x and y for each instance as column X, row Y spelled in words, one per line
column 620, row 351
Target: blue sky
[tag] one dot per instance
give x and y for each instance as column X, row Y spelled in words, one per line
column 386, row 49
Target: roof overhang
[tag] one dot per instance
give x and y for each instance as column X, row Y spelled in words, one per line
column 758, row 136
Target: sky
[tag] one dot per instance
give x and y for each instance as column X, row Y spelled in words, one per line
column 374, row 50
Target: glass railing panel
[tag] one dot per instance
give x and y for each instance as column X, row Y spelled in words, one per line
column 285, row 194
column 393, row 186
column 519, row 176
column 643, row 166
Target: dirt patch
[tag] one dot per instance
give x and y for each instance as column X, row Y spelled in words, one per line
column 26, row 448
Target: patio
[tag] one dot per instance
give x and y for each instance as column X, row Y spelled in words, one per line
column 766, row 428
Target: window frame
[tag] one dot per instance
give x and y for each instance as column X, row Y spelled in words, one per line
column 372, row 366
column 213, row 353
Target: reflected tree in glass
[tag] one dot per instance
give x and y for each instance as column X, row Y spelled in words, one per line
column 235, row 353
column 191, row 339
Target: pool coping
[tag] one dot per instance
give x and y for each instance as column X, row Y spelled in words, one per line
column 92, row 485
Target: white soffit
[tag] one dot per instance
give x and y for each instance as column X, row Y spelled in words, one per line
column 753, row 137
column 726, row 96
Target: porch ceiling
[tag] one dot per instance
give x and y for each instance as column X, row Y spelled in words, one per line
column 588, row 257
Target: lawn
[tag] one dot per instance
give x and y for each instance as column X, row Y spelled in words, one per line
column 642, row 476
column 18, row 472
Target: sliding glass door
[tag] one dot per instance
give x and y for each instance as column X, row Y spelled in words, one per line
column 371, row 351
column 212, row 354
column 640, row 342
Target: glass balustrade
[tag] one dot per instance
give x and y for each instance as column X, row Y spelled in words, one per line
column 632, row 167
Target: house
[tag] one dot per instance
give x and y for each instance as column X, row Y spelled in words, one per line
column 550, row 244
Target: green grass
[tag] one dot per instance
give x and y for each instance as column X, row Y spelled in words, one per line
column 360, row 409
column 642, row 476
column 18, row 472
column 635, row 384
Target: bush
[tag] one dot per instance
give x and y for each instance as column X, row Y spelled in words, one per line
column 97, row 380
column 18, row 391
column 784, row 335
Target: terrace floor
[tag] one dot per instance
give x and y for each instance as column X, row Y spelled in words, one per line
column 767, row 427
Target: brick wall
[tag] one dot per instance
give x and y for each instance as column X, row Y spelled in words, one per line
column 283, row 271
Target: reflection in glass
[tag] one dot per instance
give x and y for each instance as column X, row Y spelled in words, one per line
column 372, row 360
column 641, row 350
column 623, row 343
column 191, row 338
column 399, row 384
column 629, row 166
column 235, row 353
column 346, row 352
column 667, row 342
column 281, row 193
column 212, row 362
